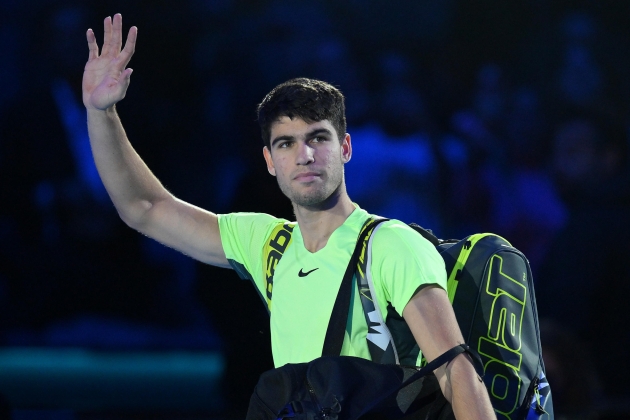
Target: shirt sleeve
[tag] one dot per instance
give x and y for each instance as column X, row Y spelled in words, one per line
column 243, row 236
column 403, row 261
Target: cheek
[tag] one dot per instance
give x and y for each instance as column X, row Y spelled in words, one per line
column 330, row 158
column 280, row 165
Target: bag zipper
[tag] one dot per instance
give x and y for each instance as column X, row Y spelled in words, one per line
column 533, row 397
column 322, row 413
column 540, row 410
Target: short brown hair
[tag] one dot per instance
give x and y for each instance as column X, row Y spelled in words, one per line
column 309, row 99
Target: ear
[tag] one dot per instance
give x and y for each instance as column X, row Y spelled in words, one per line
column 267, row 155
column 346, row 149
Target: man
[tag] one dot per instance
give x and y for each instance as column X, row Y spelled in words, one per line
column 306, row 147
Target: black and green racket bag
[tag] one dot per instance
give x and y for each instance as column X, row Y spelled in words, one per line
column 491, row 288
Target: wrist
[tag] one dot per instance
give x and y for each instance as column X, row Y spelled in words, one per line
column 107, row 112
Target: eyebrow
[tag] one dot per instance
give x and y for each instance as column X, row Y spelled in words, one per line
column 309, row 135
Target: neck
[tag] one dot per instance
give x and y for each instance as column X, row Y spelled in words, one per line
column 317, row 224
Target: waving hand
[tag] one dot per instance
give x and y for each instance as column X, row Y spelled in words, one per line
column 105, row 78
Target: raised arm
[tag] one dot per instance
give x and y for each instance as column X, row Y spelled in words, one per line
column 432, row 321
column 140, row 199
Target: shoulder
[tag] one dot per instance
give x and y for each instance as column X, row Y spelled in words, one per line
column 398, row 236
column 252, row 228
column 249, row 221
column 402, row 261
column 397, row 244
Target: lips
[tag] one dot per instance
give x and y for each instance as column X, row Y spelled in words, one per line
column 306, row 176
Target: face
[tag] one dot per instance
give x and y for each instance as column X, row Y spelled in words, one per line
column 307, row 159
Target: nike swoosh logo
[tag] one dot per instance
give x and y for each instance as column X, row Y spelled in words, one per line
column 303, row 274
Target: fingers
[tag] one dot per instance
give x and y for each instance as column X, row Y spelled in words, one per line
column 130, row 46
column 112, row 42
column 91, row 40
column 116, row 33
column 107, row 40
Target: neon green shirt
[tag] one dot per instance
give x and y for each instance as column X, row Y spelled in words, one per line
column 305, row 284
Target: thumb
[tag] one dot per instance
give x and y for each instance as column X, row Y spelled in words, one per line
column 126, row 78
column 124, row 81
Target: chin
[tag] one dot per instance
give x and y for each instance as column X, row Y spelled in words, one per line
column 316, row 197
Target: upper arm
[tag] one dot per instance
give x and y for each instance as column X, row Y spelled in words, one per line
column 184, row 227
column 432, row 321
column 406, row 263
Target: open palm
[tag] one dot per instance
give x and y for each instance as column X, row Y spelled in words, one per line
column 105, row 78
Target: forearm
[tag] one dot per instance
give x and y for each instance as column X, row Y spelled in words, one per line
column 466, row 391
column 130, row 183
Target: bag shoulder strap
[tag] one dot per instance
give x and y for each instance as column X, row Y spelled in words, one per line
column 380, row 340
column 338, row 319
column 445, row 357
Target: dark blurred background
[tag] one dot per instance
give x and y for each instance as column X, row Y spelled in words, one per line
column 466, row 116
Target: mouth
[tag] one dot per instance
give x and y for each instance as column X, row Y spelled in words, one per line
column 306, row 176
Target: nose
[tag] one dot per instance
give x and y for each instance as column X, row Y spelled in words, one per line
column 306, row 154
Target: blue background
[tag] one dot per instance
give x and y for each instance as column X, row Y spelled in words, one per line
column 466, row 116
